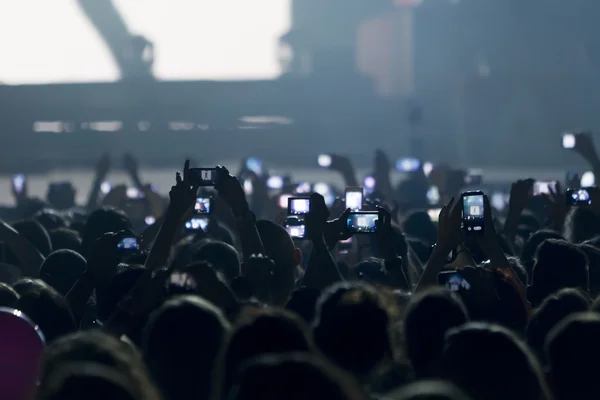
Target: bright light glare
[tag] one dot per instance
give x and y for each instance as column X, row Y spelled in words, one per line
column 324, row 160
column 53, row 41
column 588, row 179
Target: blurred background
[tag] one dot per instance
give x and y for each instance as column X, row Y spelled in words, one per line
column 487, row 84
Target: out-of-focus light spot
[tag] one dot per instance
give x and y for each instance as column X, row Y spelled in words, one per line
column 143, row 126
column 427, row 168
column 275, row 182
column 106, row 126
column 266, row 119
column 105, row 187
column 303, row 187
column 324, row 160
column 588, row 179
column 150, row 220
column 48, row 126
column 433, row 195
column 283, row 200
column 181, row 126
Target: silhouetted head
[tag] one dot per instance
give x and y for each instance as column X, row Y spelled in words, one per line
column 8, row 296
column 572, row 349
column 50, row 219
column 489, row 362
column 418, row 224
column 280, row 248
column 36, row 234
column 61, row 195
column 292, row 377
column 581, row 224
column 62, row 269
column 531, row 245
column 424, row 334
column 63, row 238
column 97, row 347
column 558, row 264
column 181, row 342
column 222, row 256
column 427, row 390
column 353, row 328
column 593, row 255
column 553, row 309
column 102, row 221
column 109, row 297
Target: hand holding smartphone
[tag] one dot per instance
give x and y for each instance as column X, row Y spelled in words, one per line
column 579, row 197
column 473, row 212
column 298, row 205
column 128, row 245
column 362, row 222
column 204, row 176
column 453, row 280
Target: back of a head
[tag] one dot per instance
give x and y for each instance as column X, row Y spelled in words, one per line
column 50, row 219
column 572, row 348
column 62, row 269
column 427, row 390
column 278, row 244
column 102, row 221
column 418, row 224
column 581, row 224
column 64, row 238
column 82, row 380
column 558, row 264
column 352, row 328
column 97, row 347
column 181, row 342
column 109, row 297
column 222, row 256
column 552, row 310
column 531, row 245
column 263, row 332
column 49, row 309
column 36, row 234
column 275, row 377
column 489, row 362
column 424, row 334
column 593, row 255
column 371, row 270
column 8, row 296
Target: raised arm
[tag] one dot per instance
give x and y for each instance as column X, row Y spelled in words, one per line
column 520, row 194
column 102, row 168
column 28, row 255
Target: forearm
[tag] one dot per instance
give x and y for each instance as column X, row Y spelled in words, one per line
column 395, row 273
column 434, row 266
column 159, row 255
column 149, row 235
column 92, row 202
column 322, row 270
column 79, row 295
column 350, row 177
column 511, row 225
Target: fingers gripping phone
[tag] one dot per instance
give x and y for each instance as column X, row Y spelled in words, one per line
column 354, row 198
column 542, row 187
column 579, row 197
column 204, row 176
column 362, row 222
column 473, row 212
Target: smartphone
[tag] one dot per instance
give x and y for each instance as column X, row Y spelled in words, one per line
column 569, row 140
column 354, row 198
column 180, row 283
column 203, row 206
column 362, row 222
column 454, row 281
column 544, row 187
column 128, row 244
column 579, row 197
column 298, row 205
column 196, row 224
column 255, row 165
column 324, row 160
column 18, row 182
column 303, row 187
column 295, row 228
column 473, row 212
column 134, row 193
column 204, row 176
column 408, row 164
column 434, row 214
column 588, row 179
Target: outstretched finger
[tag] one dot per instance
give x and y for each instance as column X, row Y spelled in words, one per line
column 178, row 178
column 186, row 171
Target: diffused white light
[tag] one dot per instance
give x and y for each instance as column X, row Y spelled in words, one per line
column 324, row 160
column 588, row 179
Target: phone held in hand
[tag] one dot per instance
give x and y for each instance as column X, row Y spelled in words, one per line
column 196, row 224
column 569, row 140
column 473, row 211
column 298, row 205
column 579, row 197
column 18, row 183
column 128, row 245
column 454, row 281
column 203, row 206
column 204, row 176
column 295, row 228
column 544, row 187
column 354, row 198
column 362, row 222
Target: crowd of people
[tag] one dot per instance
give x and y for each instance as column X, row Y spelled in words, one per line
column 125, row 299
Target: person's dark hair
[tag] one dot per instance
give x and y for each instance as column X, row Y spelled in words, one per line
column 108, row 298
column 49, row 310
column 98, row 347
column 222, row 256
column 558, row 264
column 85, row 380
column 552, row 310
column 490, row 362
column 62, row 269
column 36, row 234
column 428, row 317
column 61, row 195
column 181, row 342
column 353, row 328
column 8, row 296
column 24, row 285
column 64, row 238
column 102, row 221
column 370, row 270
column 50, row 219
column 427, row 390
column 531, row 245
column 269, row 377
column 571, row 348
column 593, row 255
column 259, row 332
column 303, row 302
column 519, row 269
column 418, row 224
column 280, row 248
column 581, row 224
column 421, row 249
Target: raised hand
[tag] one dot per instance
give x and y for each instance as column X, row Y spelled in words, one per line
column 344, row 166
column 316, row 219
column 103, row 166
column 584, row 145
column 335, row 230
column 130, row 164
column 384, row 234
column 520, row 193
column 183, row 195
column 557, row 207
column 450, row 233
column 230, row 190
